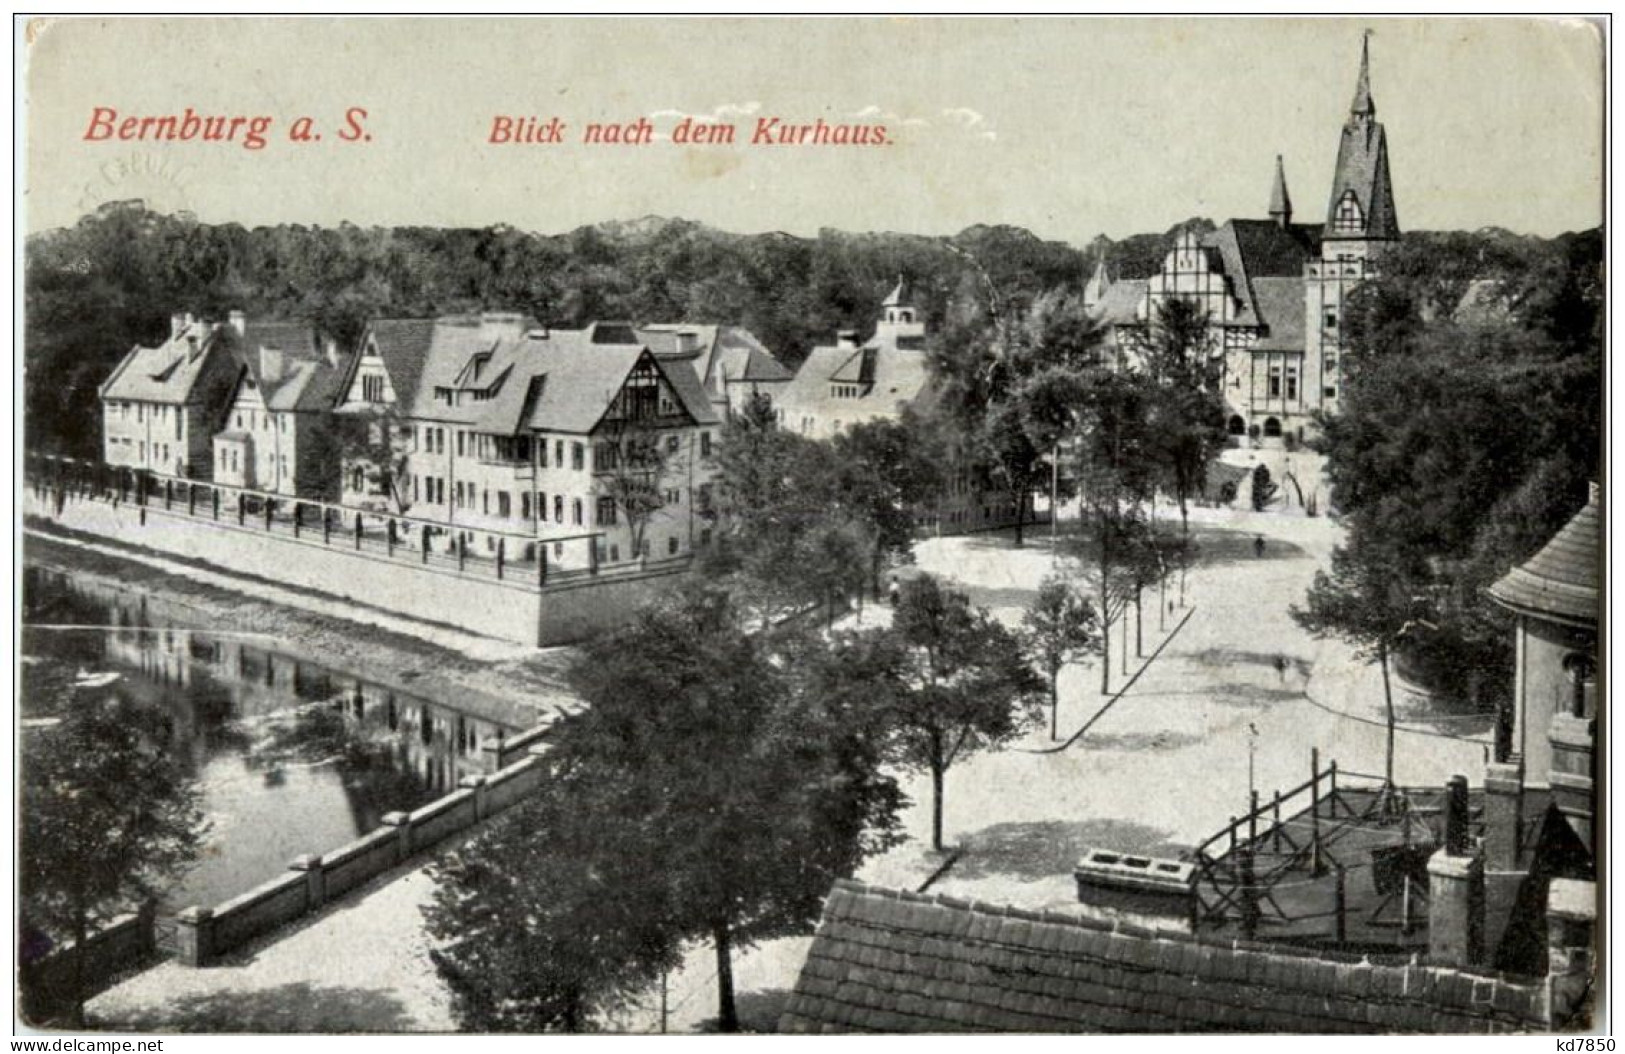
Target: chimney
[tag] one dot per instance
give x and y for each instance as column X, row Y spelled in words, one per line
column 846, row 338
column 330, row 348
column 239, row 321
column 272, row 362
column 494, row 324
column 1456, row 888
column 179, row 323
column 1571, row 920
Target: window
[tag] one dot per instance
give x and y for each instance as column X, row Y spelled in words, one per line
column 674, row 497
column 705, row 497
column 705, row 537
column 705, row 444
column 558, row 453
column 355, row 479
column 606, row 457
column 671, row 546
column 1331, row 391
column 606, row 512
column 457, row 493
column 282, row 424
column 578, row 456
column 1275, row 382
column 372, row 388
column 485, row 502
column 558, row 508
column 138, row 413
column 672, row 443
column 575, row 512
column 1292, row 382
column 461, row 441
column 614, row 553
column 1331, row 318
column 414, row 488
column 541, row 452
column 524, row 505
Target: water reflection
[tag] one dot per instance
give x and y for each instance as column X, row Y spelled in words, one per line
column 292, row 757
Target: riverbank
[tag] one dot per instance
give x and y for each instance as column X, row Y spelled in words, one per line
column 505, row 683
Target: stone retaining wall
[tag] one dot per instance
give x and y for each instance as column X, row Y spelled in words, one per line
column 516, row 609
column 204, row 934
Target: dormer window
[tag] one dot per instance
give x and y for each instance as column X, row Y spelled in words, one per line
column 1348, row 219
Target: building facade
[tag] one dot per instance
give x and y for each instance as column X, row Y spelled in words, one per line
column 846, row 384
column 161, row 406
column 1273, row 290
column 731, row 363
column 508, row 433
column 279, row 430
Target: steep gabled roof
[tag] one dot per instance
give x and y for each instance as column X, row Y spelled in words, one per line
column 888, row 961
column 1253, row 249
column 1120, row 306
column 579, row 380
column 1280, row 307
column 288, row 368
column 169, row 372
column 403, row 344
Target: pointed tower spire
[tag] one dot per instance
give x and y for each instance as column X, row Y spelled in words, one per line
column 1280, row 200
column 1363, row 105
column 1094, row 291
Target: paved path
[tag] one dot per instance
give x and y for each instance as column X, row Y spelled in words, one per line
column 1164, row 768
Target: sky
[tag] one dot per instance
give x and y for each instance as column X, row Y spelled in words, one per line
column 1070, row 128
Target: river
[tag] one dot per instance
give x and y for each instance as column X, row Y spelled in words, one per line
column 291, row 756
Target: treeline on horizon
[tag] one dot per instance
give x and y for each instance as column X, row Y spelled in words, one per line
column 112, row 280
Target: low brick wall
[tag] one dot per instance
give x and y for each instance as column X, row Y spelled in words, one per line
column 205, row 934
column 263, row 908
column 47, row 985
column 360, row 861
column 509, row 785
column 439, row 820
column 515, row 748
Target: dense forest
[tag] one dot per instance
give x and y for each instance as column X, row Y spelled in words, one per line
column 93, row 290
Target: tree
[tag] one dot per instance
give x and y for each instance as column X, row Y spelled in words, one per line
column 1116, row 472
column 741, row 789
column 1187, row 409
column 108, row 822
column 1061, row 628
column 1264, row 488
column 538, row 928
column 631, row 461
column 885, row 471
column 1470, row 426
column 966, row 685
column 792, row 535
column 1367, row 602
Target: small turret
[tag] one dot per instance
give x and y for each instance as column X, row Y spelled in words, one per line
column 1280, row 200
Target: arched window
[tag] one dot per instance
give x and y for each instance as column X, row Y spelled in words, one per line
column 1272, row 428
column 1237, row 425
column 1349, row 219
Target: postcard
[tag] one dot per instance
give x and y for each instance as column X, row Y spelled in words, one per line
column 810, row 525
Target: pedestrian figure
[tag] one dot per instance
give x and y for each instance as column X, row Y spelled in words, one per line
column 1258, row 546
column 894, row 592
column 1280, row 666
